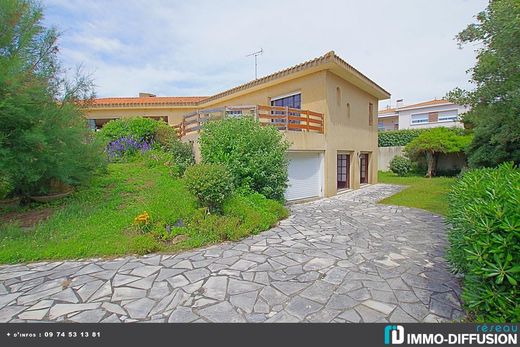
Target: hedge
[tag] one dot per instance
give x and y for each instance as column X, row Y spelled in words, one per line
column 398, row 137
column 484, row 213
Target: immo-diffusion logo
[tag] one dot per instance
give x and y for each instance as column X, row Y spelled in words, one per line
column 394, row 334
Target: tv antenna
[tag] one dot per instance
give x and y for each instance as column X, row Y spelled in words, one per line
column 256, row 54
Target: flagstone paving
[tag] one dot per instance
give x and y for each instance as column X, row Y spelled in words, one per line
column 343, row 259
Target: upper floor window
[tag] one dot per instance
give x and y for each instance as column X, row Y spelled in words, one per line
column 338, row 96
column 348, row 109
column 448, row 116
column 420, row 118
column 370, row 114
column 292, row 101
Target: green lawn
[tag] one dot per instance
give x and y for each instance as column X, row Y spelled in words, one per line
column 99, row 220
column 422, row 192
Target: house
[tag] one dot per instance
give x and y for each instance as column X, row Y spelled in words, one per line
column 428, row 114
column 388, row 119
column 325, row 108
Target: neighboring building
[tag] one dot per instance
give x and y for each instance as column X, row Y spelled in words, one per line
column 428, row 114
column 388, row 119
column 325, row 107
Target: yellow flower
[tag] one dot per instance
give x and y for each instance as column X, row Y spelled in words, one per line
column 143, row 217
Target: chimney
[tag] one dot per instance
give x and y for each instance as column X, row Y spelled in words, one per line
column 399, row 103
column 147, row 95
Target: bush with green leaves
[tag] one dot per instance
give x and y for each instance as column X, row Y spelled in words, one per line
column 434, row 142
column 255, row 211
column 140, row 128
column 484, row 214
column 254, row 154
column 182, row 153
column 397, row 137
column 212, row 184
column 6, row 186
column 400, row 165
column 165, row 135
column 242, row 216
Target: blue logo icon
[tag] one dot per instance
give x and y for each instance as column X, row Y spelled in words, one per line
column 394, row 334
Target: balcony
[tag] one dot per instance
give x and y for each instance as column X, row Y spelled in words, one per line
column 283, row 118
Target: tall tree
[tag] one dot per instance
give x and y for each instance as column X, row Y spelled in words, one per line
column 43, row 135
column 495, row 102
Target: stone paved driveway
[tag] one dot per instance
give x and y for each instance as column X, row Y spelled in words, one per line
column 344, row 259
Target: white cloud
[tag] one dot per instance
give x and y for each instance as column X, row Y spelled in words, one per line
column 199, row 47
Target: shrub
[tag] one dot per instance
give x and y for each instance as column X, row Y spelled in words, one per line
column 256, row 213
column 255, row 155
column 243, row 216
column 134, row 127
column 125, row 147
column 484, row 212
column 433, row 142
column 182, row 154
column 6, row 186
column 213, row 227
column 397, row 137
column 400, row 165
column 165, row 135
column 210, row 183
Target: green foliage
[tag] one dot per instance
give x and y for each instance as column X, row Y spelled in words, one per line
column 212, row 184
column 400, row 165
column 495, row 102
column 397, row 137
column 255, row 211
column 255, row 155
column 144, row 131
column 165, row 135
column 435, row 141
column 43, row 134
column 6, row 186
column 182, row 153
column 139, row 128
column 243, row 215
column 484, row 215
column 100, row 219
column 214, row 227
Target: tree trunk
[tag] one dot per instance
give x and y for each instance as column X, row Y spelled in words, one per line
column 431, row 159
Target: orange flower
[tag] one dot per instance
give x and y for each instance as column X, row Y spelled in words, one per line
column 142, row 218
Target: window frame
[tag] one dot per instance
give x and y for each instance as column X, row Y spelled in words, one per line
column 425, row 119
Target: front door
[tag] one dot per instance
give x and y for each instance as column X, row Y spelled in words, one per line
column 363, row 168
column 343, row 171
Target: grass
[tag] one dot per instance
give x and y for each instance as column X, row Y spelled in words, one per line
column 99, row 220
column 425, row 193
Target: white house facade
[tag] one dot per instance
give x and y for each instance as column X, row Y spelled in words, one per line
column 429, row 114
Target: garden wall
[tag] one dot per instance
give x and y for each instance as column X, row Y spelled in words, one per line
column 386, row 154
column 448, row 162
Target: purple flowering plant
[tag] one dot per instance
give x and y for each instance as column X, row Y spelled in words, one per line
column 126, row 146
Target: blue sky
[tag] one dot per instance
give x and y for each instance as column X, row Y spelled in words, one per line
column 185, row 48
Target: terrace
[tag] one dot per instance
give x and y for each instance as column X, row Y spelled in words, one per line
column 283, row 118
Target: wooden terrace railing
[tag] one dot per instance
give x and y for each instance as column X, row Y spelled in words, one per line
column 283, row 118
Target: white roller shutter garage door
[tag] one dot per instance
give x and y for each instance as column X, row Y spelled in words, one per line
column 305, row 175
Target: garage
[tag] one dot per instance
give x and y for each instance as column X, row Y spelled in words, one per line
column 305, row 175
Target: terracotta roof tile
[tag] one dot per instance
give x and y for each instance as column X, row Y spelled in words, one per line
column 156, row 100
column 426, row 103
column 387, row 110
